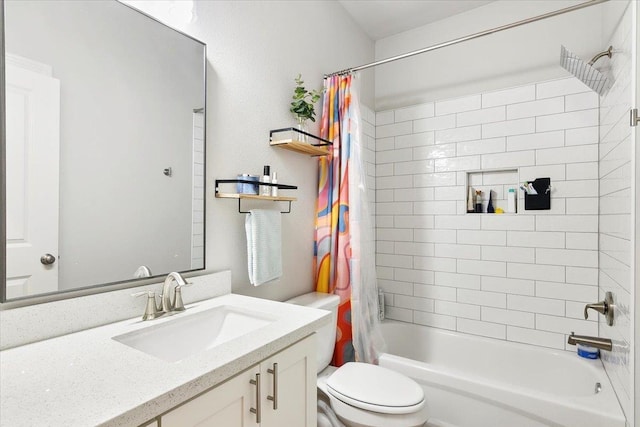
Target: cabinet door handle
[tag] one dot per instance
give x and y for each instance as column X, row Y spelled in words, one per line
column 274, row 398
column 256, row 410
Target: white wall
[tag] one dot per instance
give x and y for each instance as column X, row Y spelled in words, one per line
column 615, row 229
column 255, row 49
column 109, row 140
column 518, row 56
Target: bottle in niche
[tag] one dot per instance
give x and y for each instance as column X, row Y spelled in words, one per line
column 490, row 208
column 470, row 201
column 274, row 180
column 511, row 200
column 478, row 201
column 265, row 190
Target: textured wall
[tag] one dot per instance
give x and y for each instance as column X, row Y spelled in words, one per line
column 254, row 51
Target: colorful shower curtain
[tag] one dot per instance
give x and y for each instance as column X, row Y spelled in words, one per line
column 344, row 256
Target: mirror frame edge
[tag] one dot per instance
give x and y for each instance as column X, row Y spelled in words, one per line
column 91, row 289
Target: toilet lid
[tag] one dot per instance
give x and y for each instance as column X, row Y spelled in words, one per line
column 375, row 388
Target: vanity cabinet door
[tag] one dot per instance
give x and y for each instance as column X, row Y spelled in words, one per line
column 287, row 381
column 227, row 405
column 295, row 375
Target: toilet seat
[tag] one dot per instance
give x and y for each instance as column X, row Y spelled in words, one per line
column 373, row 388
column 356, row 417
column 382, row 409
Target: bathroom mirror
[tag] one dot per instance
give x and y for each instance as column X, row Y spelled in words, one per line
column 104, row 147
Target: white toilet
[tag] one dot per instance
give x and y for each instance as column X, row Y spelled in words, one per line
column 361, row 394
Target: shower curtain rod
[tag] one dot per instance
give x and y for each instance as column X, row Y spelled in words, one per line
column 469, row 37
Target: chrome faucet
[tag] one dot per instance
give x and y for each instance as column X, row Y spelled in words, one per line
column 597, row 342
column 176, row 305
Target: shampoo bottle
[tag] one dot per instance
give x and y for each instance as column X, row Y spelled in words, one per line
column 274, row 189
column 511, row 200
column 470, row 201
column 265, row 190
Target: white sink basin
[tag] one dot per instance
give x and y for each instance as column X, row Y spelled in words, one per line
column 187, row 334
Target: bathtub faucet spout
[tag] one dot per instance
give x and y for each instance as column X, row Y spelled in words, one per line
column 597, row 342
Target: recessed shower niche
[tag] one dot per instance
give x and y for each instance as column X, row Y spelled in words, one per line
column 496, row 182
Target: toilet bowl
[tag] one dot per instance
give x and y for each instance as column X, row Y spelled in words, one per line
column 361, row 394
column 364, row 395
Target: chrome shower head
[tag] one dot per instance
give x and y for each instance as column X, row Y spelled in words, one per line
column 585, row 72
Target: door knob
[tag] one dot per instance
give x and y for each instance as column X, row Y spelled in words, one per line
column 47, row 259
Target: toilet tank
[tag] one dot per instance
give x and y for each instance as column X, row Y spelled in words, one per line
column 326, row 335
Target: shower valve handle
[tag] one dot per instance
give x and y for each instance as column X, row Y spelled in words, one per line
column 603, row 307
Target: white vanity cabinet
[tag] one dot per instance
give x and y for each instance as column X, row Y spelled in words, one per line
column 291, row 376
column 286, row 395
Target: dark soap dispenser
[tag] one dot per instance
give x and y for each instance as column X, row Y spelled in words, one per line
column 490, row 208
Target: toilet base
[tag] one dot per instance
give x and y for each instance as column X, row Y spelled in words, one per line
column 326, row 416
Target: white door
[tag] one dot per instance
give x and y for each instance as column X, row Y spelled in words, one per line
column 33, row 138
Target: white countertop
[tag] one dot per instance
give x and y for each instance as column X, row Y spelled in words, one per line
column 88, row 379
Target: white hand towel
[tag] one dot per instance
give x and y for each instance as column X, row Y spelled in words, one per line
column 264, row 245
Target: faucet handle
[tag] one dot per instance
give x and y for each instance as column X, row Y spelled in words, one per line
column 151, row 309
column 603, row 307
column 178, row 305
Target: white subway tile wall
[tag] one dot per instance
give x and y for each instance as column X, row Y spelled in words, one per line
column 615, row 212
column 369, row 119
column 519, row 277
column 197, row 219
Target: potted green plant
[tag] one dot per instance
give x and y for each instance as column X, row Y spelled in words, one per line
column 303, row 103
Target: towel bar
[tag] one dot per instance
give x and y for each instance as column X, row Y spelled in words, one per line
column 282, row 212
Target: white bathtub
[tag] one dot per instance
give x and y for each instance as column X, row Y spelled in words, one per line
column 472, row 381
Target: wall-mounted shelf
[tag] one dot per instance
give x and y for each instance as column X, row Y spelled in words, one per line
column 293, row 139
column 241, row 196
column 542, row 200
column 496, row 181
